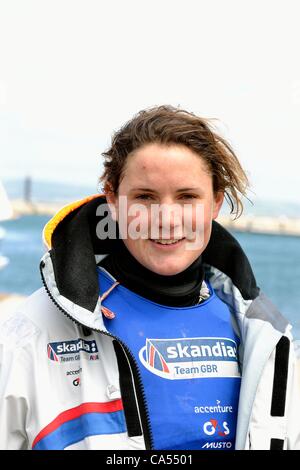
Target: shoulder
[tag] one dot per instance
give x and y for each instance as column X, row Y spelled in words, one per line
column 34, row 316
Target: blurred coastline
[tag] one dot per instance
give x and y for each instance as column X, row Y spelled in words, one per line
column 30, row 197
column 280, row 225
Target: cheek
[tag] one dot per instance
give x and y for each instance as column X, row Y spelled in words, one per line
column 198, row 217
column 137, row 222
column 198, row 227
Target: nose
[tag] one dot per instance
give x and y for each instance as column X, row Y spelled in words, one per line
column 167, row 220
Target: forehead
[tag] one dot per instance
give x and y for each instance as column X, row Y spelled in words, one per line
column 155, row 162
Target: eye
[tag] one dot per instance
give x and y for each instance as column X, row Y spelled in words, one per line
column 143, row 196
column 188, row 196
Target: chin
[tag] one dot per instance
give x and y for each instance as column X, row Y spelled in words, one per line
column 167, row 270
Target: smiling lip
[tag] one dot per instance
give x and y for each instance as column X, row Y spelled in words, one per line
column 169, row 246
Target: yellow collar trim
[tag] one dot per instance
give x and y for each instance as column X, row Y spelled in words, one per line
column 60, row 215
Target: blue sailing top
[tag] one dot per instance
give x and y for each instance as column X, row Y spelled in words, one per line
column 188, row 361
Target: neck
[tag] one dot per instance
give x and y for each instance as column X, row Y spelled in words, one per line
column 178, row 290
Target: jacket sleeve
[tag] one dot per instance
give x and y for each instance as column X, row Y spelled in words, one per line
column 14, row 386
column 293, row 402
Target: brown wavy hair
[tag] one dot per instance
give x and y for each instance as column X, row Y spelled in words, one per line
column 168, row 125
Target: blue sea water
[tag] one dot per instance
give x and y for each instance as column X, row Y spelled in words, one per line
column 275, row 261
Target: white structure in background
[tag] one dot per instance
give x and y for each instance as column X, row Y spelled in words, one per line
column 5, row 213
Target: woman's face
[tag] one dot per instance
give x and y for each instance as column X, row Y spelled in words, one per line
column 177, row 178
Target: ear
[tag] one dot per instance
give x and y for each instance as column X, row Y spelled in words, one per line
column 217, row 204
column 112, row 201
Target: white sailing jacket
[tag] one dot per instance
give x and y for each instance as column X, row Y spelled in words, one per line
column 67, row 383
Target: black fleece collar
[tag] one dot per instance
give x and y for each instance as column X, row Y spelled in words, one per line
column 75, row 244
column 178, row 290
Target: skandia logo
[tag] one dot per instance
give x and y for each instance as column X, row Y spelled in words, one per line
column 66, row 351
column 188, row 358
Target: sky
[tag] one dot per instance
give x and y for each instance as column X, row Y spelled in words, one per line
column 72, row 72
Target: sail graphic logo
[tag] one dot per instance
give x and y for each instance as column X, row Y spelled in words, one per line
column 190, row 358
column 68, row 351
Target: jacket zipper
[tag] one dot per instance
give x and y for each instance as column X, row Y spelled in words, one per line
column 148, row 437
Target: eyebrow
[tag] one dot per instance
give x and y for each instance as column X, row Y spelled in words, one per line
column 153, row 190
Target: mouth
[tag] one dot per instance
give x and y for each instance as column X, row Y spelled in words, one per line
column 167, row 243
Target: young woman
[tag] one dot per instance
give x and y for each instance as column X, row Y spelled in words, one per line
column 150, row 331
